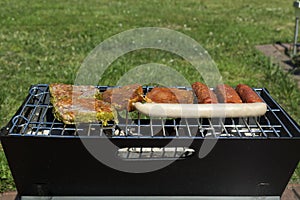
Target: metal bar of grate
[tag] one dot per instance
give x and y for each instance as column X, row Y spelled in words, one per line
column 36, row 106
column 163, row 128
column 188, row 128
column 139, row 124
column 151, row 127
column 269, row 126
column 201, row 129
column 282, row 124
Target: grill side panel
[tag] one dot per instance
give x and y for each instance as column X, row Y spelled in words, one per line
column 62, row 166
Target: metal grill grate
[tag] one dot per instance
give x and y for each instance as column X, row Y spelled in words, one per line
column 35, row 118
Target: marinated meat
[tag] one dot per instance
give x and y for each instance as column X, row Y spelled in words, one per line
column 247, row 94
column 204, row 94
column 227, row 94
column 77, row 104
column 58, row 91
column 169, row 95
column 124, row 97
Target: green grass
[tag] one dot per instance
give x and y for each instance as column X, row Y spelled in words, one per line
column 6, row 180
column 46, row 41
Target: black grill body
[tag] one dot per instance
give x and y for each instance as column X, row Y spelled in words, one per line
column 48, row 158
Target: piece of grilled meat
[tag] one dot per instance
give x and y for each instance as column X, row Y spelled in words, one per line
column 78, row 104
column 204, row 94
column 227, row 94
column 124, row 97
column 169, row 95
column 247, row 94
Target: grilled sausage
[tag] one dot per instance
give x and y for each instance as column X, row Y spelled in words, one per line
column 247, row 94
column 169, row 95
column 227, row 94
column 202, row 110
column 204, row 94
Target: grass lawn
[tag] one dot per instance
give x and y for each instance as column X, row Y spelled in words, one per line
column 46, row 41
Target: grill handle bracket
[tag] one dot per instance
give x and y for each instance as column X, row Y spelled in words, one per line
column 154, row 153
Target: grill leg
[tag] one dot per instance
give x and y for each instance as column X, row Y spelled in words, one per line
column 295, row 36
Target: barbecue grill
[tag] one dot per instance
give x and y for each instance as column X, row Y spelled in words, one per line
column 253, row 157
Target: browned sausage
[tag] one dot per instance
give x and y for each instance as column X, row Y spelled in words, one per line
column 227, row 94
column 203, row 93
column 247, row 94
column 169, row 95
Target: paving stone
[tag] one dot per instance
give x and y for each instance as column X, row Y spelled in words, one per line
column 292, row 192
column 277, row 52
column 8, row 196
